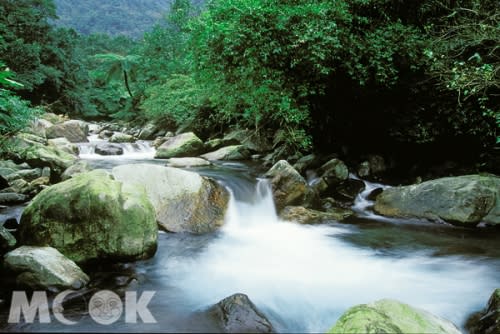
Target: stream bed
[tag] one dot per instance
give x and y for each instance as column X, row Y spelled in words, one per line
column 303, row 277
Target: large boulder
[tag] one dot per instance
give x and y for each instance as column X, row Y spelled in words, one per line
column 108, row 149
column 390, row 316
column 237, row 314
column 184, row 201
column 183, row 145
column 289, row 187
column 488, row 320
column 234, row 152
column 45, row 268
column 302, row 215
column 92, row 216
column 74, row 131
column 463, row 200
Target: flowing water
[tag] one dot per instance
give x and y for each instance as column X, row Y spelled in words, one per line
column 303, row 277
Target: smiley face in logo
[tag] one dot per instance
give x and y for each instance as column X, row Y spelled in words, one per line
column 105, row 307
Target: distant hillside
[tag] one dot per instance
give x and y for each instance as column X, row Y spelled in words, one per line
column 114, row 17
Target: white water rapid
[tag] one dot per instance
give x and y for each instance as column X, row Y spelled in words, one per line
column 305, row 277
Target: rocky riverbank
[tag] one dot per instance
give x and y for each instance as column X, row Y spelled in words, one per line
column 76, row 216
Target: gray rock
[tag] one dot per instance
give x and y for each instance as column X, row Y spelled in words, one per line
column 12, row 198
column 78, row 168
column 7, row 240
column 235, row 152
column 184, row 201
column 183, row 145
column 119, row 137
column 26, row 174
column 305, row 163
column 334, row 172
column 45, row 268
column 108, row 149
column 289, row 187
column 237, row 314
column 187, row 162
column 462, row 200
column 39, row 155
column 73, row 131
column 148, row 131
column 64, row 145
column 249, row 139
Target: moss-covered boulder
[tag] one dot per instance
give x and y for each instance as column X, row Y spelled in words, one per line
column 462, row 200
column 234, row 152
column 183, row 145
column 45, row 268
column 390, row 316
column 184, row 201
column 92, row 216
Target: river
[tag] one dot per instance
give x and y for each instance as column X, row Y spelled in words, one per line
column 302, row 277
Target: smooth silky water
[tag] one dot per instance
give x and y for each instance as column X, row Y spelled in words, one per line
column 302, row 277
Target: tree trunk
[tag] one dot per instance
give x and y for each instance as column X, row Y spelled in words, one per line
column 125, row 77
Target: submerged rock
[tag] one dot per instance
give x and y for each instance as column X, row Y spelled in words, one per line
column 235, row 152
column 302, row 215
column 487, row 321
column 289, row 187
column 184, row 201
column 91, row 216
column 463, row 200
column 390, row 316
column 108, row 149
column 183, row 145
column 45, row 268
column 237, row 314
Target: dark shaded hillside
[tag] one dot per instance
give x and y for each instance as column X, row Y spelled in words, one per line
column 115, row 17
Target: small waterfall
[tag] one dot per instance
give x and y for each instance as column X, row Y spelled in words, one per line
column 363, row 204
column 304, row 277
column 141, row 149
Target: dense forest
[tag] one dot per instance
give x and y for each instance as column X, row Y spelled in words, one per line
column 348, row 76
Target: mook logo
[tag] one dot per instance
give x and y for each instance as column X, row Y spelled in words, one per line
column 105, row 307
